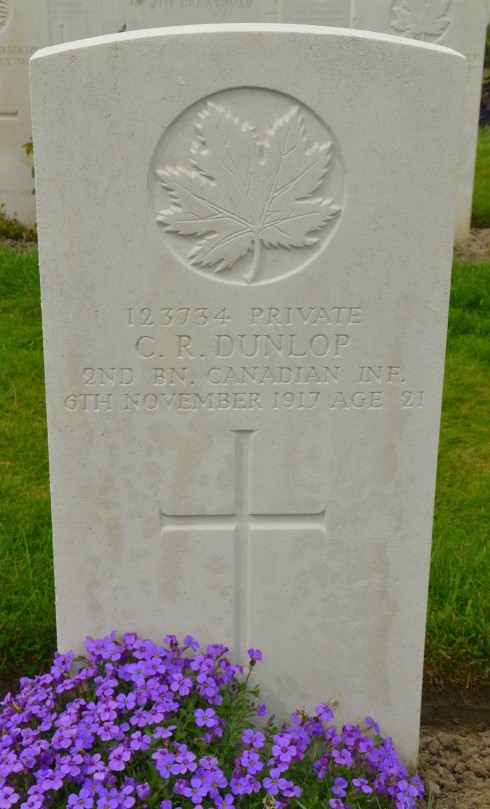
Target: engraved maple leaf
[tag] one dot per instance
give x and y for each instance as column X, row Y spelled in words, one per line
column 421, row 19
column 242, row 192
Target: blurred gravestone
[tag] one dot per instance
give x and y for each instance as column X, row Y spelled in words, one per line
column 457, row 24
column 25, row 26
column 151, row 13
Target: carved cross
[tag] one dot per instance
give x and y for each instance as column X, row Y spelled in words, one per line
column 241, row 523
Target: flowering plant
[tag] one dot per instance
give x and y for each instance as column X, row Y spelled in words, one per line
column 138, row 725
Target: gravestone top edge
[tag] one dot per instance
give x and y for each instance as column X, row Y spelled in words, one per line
column 245, row 28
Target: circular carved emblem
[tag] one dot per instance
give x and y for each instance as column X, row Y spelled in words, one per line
column 4, row 13
column 426, row 20
column 247, row 186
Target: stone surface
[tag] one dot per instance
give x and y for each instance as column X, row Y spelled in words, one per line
column 25, row 26
column 151, row 13
column 245, row 274
column 457, row 24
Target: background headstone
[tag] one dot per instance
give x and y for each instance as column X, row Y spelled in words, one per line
column 244, row 313
column 25, row 26
column 152, row 13
column 457, row 24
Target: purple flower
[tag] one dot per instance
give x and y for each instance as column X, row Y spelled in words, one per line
column 362, row 785
column 216, row 649
column 139, row 742
column 33, row 802
column 190, row 643
column 370, row 723
column 164, row 733
column 342, row 757
column 181, row 684
column 61, row 664
column 164, row 762
column 320, row 769
column 118, row 758
column 251, row 761
column 195, row 790
column 94, row 734
column 125, row 702
column 216, row 781
column 8, row 796
column 291, row 790
column 205, row 718
column 185, row 759
column 274, row 782
column 49, row 779
column 254, row 738
column 225, row 802
column 324, row 712
column 283, row 750
column 143, row 791
column 339, row 787
column 84, row 800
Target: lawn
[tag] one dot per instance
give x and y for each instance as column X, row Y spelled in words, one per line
column 457, row 648
column 458, row 641
column 27, row 634
column 481, row 194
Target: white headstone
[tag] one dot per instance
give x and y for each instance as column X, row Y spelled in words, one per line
column 25, row 26
column 457, row 24
column 245, row 272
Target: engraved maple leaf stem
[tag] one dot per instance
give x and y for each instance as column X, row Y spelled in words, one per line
column 250, row 274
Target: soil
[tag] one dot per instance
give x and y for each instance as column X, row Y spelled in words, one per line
column 454, row 757
column 474, row 250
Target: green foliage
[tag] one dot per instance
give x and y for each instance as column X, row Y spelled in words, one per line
column 458, row 642
column 13, row 230
column 481, row 192
column 26, row 576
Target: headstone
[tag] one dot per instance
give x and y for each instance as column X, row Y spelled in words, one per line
column 245, row 273
column 457, row 24
column 152, row 13
column 25, row 26
column 23, row 29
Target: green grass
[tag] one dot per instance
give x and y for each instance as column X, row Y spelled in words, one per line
column 458, row 639
column 457, row 649
column 481, row 192
column 26, row 568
